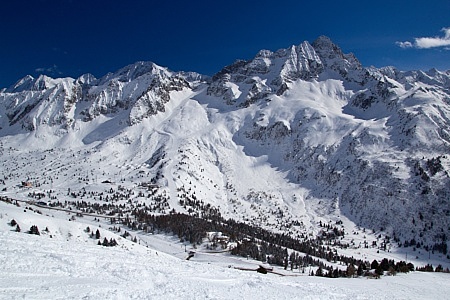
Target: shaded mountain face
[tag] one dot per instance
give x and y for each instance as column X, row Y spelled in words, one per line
column 299, row 134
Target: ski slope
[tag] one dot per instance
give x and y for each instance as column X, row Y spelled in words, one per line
column 69, row 265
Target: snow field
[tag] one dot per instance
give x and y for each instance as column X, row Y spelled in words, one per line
column 69, row 265
column 40, row 267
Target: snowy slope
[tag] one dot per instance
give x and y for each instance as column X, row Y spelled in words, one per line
column 296, row 136
column 64, row 263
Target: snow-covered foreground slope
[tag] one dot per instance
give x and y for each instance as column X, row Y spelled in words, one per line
column 64, row 263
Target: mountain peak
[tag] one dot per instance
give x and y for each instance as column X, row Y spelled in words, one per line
column 86, row 79
column 21, row 85
column 323, row 42
column 327, row 49
column 333, row 57
column 135, row 70
column 29, row 83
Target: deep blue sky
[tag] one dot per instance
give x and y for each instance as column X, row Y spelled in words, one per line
column 72, row 37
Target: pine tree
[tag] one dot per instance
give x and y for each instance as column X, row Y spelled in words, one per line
column 360, row 270
column 379, row 271
column 330, row 273
column 384, row 265
column 337, row 273
column 34, row 230
column 392, row 271
column 97, row 234
column 374, row 264
column 17, row 228
column 351, row 270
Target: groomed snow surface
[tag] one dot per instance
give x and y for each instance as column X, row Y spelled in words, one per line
column 65, row 263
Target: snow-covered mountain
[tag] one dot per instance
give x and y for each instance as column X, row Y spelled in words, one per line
column 297, row 136
column 141, row 89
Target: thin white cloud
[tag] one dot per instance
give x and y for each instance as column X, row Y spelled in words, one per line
column 404, row 45
column 428, row 42
column 53, row 70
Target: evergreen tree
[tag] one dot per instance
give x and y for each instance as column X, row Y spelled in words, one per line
column 97, row 234
column 360, row 270
column 351, row 270
column 379, row 271
column 34, row 230
column 337, row 273
column 384, row 265
column 330, row 273
column 17, row 228
column 374, row 265
column 392, row 271
column 402, row 267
